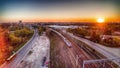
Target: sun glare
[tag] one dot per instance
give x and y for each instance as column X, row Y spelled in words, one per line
column 100, row 20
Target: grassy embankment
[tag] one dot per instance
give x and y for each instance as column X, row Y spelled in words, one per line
column 55, row 53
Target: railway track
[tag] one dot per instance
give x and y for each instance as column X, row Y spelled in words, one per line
column 84, row 52
column 79, row 49
column 95, row 55
column 75, row 51
column 63, row 56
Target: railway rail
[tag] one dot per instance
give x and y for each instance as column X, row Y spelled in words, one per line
column 87, row 54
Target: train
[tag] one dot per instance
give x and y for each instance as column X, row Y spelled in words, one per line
column 68, row 43
column 11, row 57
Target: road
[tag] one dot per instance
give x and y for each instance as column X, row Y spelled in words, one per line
column 38, row 55
column 80, row 52
column 21, row 53
column 96, row 47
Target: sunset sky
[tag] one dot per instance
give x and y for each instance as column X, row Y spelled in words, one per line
column 59, row 10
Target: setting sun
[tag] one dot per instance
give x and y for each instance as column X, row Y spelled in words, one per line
column 100, row 20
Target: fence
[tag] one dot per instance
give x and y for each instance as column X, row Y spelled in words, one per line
column 102, row 63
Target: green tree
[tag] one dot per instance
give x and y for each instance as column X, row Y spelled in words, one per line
column 14, row 40
column 23, row 32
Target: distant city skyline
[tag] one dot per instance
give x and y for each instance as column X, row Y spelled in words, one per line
column 59, row 11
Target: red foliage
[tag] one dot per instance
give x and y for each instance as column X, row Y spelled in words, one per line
column 4, row 47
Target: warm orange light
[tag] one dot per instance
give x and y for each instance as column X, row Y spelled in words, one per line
column 100, row 20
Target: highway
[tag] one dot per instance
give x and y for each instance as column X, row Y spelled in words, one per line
column 94, row 45
column 37, row 54
column 97, row 48
column 80, row 52
column 107, row 55
column 21, row 53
